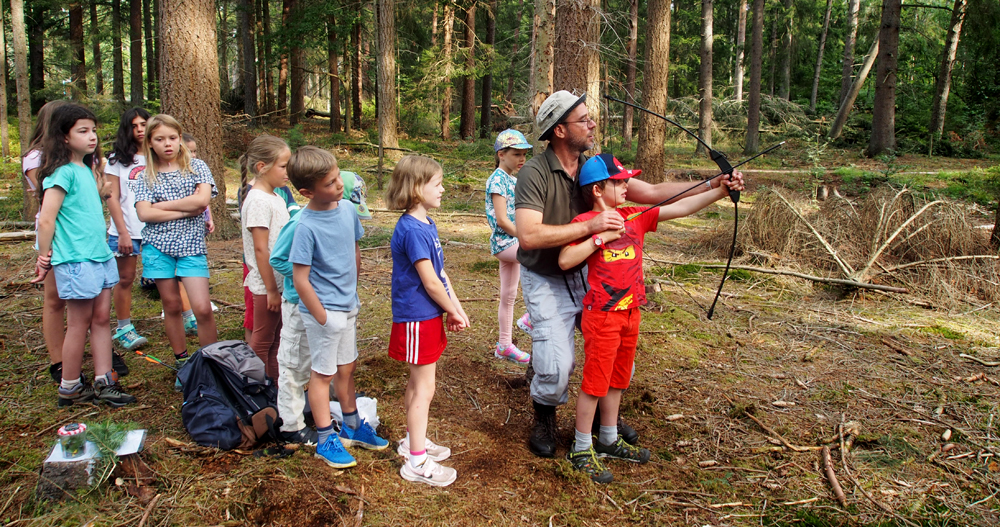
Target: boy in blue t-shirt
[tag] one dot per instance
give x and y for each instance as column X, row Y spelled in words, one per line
column 325, row 276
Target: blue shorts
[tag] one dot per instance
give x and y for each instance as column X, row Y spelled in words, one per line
column 84, row 280
column 157, row 265
column 113, row 244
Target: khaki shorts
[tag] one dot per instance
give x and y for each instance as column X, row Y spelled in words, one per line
column 333, row 344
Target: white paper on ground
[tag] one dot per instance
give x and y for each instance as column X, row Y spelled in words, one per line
column 367, row 410
column 132, row 444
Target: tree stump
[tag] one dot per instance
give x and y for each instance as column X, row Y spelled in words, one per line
column 57, row 479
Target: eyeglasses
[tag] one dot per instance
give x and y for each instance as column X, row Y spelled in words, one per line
column 584, row 122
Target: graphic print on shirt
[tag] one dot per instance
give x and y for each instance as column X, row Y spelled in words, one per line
column 134, row 175
column 619, row 272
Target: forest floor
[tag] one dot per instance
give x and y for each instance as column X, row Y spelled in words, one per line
column 797, row 358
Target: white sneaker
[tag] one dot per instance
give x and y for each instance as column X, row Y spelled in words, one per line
column 436, row 452
column 430, row 472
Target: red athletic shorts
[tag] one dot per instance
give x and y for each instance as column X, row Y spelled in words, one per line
column 247, row 301
column 418, row 342
column 609, row 340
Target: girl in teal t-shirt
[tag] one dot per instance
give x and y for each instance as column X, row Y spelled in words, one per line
column 71, row 244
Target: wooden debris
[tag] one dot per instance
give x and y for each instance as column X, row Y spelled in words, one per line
column 801, row 502
column 980, row 361
column 783, row 404
column 896, row 347
column 149, row 509
column 674, row 417
column 788, row 445
column 831, row 476
column 708, row 463
column 946, row 435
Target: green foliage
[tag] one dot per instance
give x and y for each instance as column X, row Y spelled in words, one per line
column 107, row 436
column 295, row 137
column 485, row 266
column 947, row 333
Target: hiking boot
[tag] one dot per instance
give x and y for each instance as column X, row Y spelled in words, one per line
column 128, row 338
column 627, row 432
column 81, row 393
column 435, row 452
column 118, row 364
column 511, row 353
column 542, row 442
column 622, row 450
column 111, row 394
column 586, row 461
column 55, row 370
column 181, row 360
column 333, row 453
column 364, row 437
column 306, row 436
column 525, row 323
column 190, row 325
column 429, row 472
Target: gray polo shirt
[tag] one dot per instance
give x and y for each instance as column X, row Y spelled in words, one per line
column 543, row 186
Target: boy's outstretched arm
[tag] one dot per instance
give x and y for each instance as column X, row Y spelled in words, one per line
column 692, row 204
column 572, row 255
column 645, row 193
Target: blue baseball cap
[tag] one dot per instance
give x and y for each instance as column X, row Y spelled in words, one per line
column 355, row 190
column 604, row 166
column 511, row 138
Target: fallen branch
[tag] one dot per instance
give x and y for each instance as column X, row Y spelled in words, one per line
column 980, row 361
column 843, row 461
column 788, row 445
column 17, row 236
column 229, row 304
column 149, row 509
column 844, row 266
column 436, row 214
column 819, row 279
column 940, row 260
column 831, row 476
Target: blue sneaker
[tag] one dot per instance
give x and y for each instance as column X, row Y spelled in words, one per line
column 128, row 338
column 364, row 437
column 190, row 325
column 332, row 452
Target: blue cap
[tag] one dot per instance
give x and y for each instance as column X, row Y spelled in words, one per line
column 604, row 166
column 355, row 190
column 511, row 138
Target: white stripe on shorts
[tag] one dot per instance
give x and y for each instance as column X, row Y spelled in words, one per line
column 412, row 342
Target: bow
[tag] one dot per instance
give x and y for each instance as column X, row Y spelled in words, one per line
column 725, row 168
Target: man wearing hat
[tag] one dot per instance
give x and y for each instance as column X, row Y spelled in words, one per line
column 547, row 198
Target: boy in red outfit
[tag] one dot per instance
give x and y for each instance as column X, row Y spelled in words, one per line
column 610, row 308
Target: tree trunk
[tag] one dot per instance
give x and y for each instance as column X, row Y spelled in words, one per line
column 190, row 87
column 4, row 135
column 248, row 69
column 542, row 54
column 118, row 66
column 387, row 77
column 135, row 50
column 773, row 57
column 30, row 206
column 224, row 84
column 741, row 37
column 157, row 49
column 79, row 78
column 577, row 64
column 486, row 108
column 509, row 94
column 347, row 87
column 850, row 39
column 449, row 24
column 261, row 63
column 705, row 77
column 633, row 39
column 297, row 103
column 268, row 57
column 467, row 121
column 434, row 26
column 819, row 57
column 286, row 14
column 883, row 137
column 95, row 41
column 334, row 72
column 786, row 51
column 652, row 131
column 36, row 54
column 852, row 93
column 147, row 27
column 940, row 104
column 752, row 143
column 356, row 74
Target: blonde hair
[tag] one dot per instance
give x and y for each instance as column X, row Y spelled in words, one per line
column 411, row 173
column 264, row 149
column 308, row 165
column 152, row 160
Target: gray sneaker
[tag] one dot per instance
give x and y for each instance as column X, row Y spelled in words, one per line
column 81, row 393
column 430, row 472
column 622, row 450
column 111, row 394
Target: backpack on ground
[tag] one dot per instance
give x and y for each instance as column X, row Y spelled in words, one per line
column 228, row 400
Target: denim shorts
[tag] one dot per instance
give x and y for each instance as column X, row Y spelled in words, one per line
column 157, row 265
column 113, row 245
column 84, row 280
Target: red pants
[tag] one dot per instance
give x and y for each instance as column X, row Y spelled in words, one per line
column 609, row 340
column 247, row 301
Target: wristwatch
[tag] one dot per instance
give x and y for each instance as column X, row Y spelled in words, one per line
column 598, row 242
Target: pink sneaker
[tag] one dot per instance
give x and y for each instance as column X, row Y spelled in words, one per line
column 525, row 323
column 512, row 353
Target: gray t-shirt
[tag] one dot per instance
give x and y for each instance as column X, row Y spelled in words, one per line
column 544, row 186
column 325, row 240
